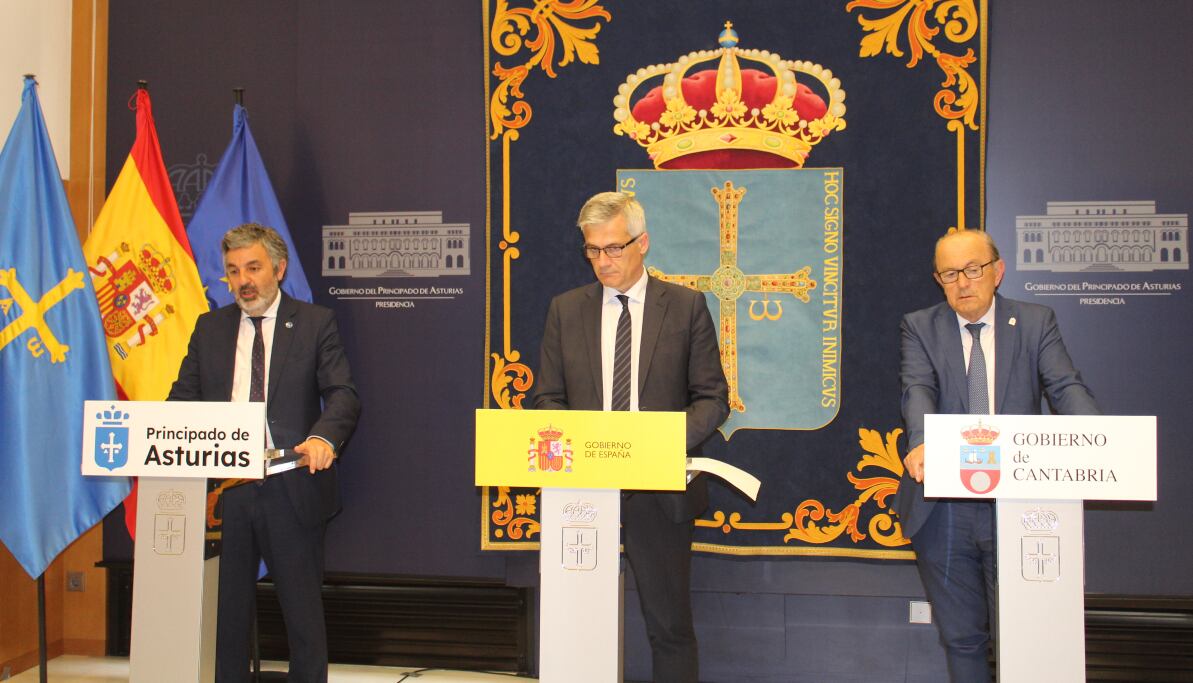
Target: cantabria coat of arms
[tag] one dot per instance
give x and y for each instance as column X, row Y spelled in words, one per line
column 980, row 466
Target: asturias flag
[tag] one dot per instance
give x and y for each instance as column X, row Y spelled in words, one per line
column 239, row 192
column 145, row 277
column 52, row 355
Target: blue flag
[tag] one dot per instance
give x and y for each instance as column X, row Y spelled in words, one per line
column 52, row 355
column 239, row 192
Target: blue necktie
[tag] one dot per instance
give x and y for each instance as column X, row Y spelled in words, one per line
column 979, row 398
column 621, row 357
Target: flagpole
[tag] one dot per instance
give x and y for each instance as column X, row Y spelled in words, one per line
column 41, row 628
column 238, row 96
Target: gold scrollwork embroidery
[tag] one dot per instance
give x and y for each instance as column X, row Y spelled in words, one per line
column 512, row 514
column 510, row 382
column 958, row 101
column 805, row 524
column 543, row 29
column 549, row 20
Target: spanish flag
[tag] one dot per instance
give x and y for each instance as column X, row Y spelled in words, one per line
column 144, row 273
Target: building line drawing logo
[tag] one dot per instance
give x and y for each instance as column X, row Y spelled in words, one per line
column 1102, row 236
column 396, row 244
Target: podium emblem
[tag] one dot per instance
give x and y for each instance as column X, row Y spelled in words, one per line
column 169, row 534
column 169, row 524
column 550, row 453
column 1041, row 558
column 111, row 439
column 579, row 548
column 980, row 458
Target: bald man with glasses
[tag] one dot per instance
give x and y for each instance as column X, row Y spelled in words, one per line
column 977, row 352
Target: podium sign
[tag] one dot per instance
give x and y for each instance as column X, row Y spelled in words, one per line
column 1040, row 468
column 1027, row 457
column 583, row 449
column 174, row 439
column 173, row 446
column 580, row 459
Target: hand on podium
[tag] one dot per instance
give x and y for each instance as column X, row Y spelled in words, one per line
column 316, row 454
column 914, row 462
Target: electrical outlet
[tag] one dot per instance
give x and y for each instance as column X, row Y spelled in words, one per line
column 921, row 612
column 74, row 582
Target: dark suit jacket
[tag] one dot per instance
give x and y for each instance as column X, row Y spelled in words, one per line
column 679, row 367
column 307, row 364
column 1029, row 360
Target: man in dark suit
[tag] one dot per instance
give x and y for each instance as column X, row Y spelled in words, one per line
column 270, row 347
column 670, row 361
column 1019, row 356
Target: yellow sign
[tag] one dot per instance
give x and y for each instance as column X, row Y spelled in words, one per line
column 581, row 449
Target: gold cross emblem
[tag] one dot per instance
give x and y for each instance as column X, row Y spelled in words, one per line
column 33, row 314
column 728, row 283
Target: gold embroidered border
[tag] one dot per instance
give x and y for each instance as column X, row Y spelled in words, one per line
column 540, row 30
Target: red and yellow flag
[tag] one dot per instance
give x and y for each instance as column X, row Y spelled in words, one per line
column 144, row 273
column 145, row 277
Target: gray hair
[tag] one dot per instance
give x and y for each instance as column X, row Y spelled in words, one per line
column 606, row 206
column 985, row 238
column 248, row 234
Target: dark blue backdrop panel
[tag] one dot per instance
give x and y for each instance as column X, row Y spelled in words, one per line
column 1088, row 109
column 364, row 107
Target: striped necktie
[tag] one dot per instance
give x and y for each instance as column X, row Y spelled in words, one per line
column 621, row 357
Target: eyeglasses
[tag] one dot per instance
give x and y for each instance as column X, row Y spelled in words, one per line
column 971, row 272
column 612, row 251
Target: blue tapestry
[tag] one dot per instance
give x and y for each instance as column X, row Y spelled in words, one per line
column 739, row 127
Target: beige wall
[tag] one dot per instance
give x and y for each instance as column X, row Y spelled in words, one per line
column 75, row 622
column 35, row 37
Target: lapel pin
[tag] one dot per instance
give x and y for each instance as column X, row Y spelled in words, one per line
column 1010, row 322
column 290, row 323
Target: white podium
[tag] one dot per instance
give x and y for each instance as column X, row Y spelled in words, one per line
column 582, row 460
column 1040, row 468
column 174, row 447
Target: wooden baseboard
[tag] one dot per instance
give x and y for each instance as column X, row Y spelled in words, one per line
column 88, row 647
column 28, row 660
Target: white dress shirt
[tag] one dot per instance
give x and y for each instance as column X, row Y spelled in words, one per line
column 610, row 312
column 987, row 338
column 242, row 374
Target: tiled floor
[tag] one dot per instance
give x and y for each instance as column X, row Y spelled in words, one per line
column 76, row 669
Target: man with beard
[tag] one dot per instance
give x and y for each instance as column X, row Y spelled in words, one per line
column 270, row 347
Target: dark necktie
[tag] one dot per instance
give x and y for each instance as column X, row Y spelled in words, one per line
column 257, row 376
column 979, row 398
column 621, row 357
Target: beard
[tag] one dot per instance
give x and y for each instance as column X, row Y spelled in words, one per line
column 254, row 301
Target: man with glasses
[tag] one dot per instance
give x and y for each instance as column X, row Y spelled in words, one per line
column 978, row 353
column 631, row 342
